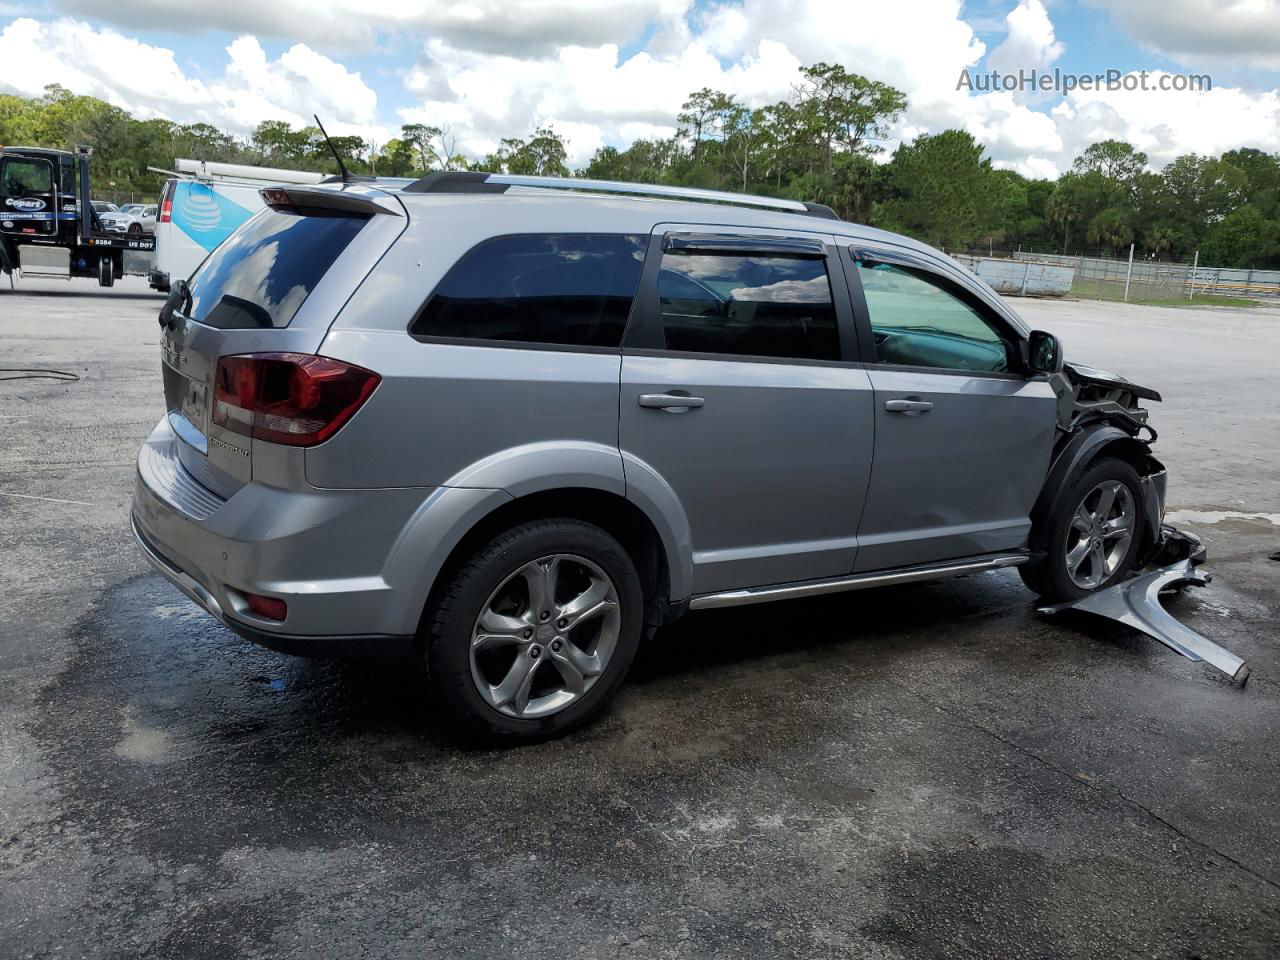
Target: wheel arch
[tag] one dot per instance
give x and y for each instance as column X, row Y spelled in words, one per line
column 615, row 514
column 1086, row 447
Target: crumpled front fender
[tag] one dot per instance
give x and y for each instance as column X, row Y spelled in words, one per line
column 1085, row 446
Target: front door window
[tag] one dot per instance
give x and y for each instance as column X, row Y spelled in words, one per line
column 917, row 322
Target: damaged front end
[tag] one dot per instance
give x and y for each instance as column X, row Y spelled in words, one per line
column 1099, row 412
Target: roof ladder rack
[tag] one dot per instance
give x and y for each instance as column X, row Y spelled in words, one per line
column 478, row 182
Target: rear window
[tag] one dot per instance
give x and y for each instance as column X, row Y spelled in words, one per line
column 261, row 274
column 572, row 289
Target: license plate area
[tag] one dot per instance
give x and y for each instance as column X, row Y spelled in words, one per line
column 188, row 403
column 195, row 405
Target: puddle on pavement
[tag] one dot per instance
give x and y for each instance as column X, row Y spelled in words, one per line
column 1210, row 517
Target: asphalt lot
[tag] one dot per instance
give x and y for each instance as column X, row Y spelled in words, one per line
column 927, row 771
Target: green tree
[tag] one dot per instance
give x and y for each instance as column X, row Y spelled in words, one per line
column 844, row 110
column 1243, row 238
column 1114, row 159
column 699, row 115
column 1112, row 229
column 946, row 192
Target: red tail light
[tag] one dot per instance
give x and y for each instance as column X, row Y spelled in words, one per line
column 166, row 210
column 292, row 398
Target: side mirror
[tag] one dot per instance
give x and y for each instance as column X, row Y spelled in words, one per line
column 1044, row 352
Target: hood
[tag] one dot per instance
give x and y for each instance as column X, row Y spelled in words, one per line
column 1083, row 373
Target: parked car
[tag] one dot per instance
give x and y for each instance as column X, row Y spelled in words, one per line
column 131, row 218
column 510, row 428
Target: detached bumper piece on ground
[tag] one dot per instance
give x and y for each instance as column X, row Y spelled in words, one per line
column 1135, row 602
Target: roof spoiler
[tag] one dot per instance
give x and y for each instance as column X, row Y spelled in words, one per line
column 310, row 198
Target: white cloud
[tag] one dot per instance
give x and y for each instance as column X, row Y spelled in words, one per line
column 496, row 68
column 919, row 45
column 494, row 26
column 1165, row 124
column 1030, row 43
column 147, row 81
column 300, row 83
column 754, row 50
column 1194, row 31
column 133, row 75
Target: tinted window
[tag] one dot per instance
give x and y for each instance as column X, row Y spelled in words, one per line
column 761, row 306
column 263, row 272
column 560, row 288
column 916, row 321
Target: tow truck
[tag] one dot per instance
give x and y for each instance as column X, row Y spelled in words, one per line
column 48, row 227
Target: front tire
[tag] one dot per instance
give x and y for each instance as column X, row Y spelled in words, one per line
column 533, row 634
column 1092, row 541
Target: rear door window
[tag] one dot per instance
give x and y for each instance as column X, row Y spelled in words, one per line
column 571, row 289
column 261, row 274
column 754, row 306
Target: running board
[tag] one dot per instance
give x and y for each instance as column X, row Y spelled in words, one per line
column 1136, row 603
column 857, row 581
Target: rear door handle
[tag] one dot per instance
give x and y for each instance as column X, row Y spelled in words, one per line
column 669, row 401
column 908, row 406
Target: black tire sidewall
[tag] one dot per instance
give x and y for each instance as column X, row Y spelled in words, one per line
column 1053, row 574
column 448, row 640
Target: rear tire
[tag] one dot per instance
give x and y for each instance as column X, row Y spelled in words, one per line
column 106, row 272
column 533, row 669
column 1092, row 541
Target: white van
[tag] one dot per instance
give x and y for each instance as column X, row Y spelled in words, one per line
column 202, row 204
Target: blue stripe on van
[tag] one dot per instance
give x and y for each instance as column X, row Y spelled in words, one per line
column 205, row 215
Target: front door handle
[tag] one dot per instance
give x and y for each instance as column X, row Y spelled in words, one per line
column 669, row 401
column 908, row 406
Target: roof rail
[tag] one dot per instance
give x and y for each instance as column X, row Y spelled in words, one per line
column 459, row 181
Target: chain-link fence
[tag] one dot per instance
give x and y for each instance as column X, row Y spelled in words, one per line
column 1152, row 281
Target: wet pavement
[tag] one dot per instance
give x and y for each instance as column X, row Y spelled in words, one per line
column 926, row 771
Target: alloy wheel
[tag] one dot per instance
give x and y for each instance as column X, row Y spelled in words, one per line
column 545, row 636
column 1102, row 528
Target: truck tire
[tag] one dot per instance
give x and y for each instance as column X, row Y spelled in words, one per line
column 106, row 271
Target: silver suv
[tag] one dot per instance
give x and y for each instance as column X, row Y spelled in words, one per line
column 511, row 425
column 131, row 218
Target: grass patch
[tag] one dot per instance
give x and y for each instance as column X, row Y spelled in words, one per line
column 1088, row 288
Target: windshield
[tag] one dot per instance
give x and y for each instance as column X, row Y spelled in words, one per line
column 263, row 272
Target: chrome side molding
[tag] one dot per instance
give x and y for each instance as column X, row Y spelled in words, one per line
column 857, row 581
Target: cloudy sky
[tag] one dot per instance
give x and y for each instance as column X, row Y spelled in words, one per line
column 608, row 71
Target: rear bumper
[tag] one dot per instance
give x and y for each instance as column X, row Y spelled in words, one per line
column 158, row 280
column 322, row 551
column 374, row 647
